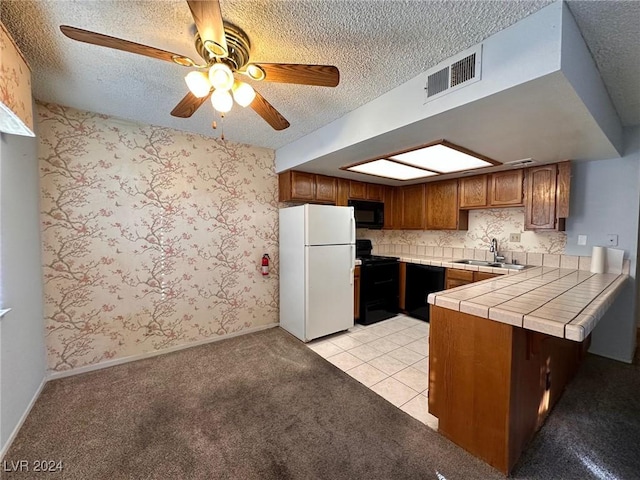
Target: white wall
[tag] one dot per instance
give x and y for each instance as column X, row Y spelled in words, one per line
column 22, row 351
column 605, row 198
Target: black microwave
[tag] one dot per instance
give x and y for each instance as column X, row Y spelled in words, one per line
column 368, row 214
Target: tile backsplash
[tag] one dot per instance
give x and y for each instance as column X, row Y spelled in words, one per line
column 483, row 226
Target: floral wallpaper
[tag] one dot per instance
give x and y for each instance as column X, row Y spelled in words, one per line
column 152, row 237
column 483, row 226
column 15, row 89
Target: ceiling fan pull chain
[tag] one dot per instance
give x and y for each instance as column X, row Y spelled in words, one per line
column 222, row 126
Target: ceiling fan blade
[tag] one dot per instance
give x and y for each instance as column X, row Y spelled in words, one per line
column 188, row 105
column 208, row 18
column 319, row 75
column 125, row 45
column 268, row 113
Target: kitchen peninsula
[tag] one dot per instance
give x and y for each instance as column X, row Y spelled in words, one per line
column 502, row 351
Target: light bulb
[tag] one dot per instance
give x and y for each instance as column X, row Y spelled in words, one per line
column 198, row 84
column 221, row 100
column 243, row 93
column 220, row 76
column 255, row 72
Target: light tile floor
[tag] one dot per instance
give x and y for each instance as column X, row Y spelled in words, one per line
column 390, row 357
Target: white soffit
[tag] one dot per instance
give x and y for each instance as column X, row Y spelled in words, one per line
column 522, row 87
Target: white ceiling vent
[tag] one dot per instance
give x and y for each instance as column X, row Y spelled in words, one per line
column 523, row 162
column 456, row 72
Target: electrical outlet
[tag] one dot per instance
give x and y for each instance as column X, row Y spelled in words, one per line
column 514, row 237
column 612, row 240
column 582, row 239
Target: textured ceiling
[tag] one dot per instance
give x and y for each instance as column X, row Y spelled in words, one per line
column 377, row 45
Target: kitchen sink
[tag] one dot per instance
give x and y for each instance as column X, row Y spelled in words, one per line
column 483, row 263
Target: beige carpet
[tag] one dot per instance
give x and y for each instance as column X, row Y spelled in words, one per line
column 258, row 406
column 263, row 406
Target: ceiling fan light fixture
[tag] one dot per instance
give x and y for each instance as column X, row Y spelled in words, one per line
column 221, row 101
column 243, row 93
column 215, row 48
column 198, row 83
column 255, row 72
column 221, row 76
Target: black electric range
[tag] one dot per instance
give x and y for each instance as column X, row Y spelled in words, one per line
column 379, row 284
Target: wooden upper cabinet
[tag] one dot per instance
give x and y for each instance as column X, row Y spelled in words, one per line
column 299, row 186
column 563, row 187
column 413, row 207
column 342, row 198
column 506, row 188
column 375, row 192
column 357, row 190
column 474, row 192
column 540, row 209
column 326, row 189
column 306, row 187
column 390, row 203
column 442, row 207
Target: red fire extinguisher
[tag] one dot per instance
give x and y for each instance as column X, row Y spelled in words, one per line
column 265, row 264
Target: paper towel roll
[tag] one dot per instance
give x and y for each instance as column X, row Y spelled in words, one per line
column 598, row 259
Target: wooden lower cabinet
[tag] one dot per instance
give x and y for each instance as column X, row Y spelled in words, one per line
column 456, row 278
column 356, row 292
column 491, row 384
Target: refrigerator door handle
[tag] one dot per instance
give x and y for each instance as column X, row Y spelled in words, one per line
column 353, row 227
column 353, row 264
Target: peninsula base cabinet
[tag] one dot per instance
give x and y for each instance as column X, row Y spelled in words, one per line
column 491, row 384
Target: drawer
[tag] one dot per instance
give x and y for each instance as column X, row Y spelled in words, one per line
column 465, row 275
column 453, row 283
column 484, row 276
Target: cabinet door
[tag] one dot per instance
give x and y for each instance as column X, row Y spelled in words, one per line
column 396, row 207
column 389, row 205
column 297, row 186
column 375, row 192
column 342, row 198
column 564, row 184
column 357, row 190
column 473, row 192
column 413, row 203
column 477, row 276
column 506, row 188
column 442, row 207
column 540, row 203
column 325, row 189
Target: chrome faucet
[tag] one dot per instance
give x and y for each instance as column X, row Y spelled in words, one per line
column 494, row 249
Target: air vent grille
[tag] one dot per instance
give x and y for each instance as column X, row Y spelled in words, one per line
column 463, row 70
column 457, row 72
column 438, row 82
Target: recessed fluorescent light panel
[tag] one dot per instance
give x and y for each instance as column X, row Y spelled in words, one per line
column 385, row 168
column 442, row 159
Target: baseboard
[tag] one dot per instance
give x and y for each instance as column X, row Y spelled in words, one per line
column 14, row 433
column 133, row 358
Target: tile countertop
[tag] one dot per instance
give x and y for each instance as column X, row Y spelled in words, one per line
column 562, row 302
column 449, row 262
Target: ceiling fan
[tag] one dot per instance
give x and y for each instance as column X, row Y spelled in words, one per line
column 225, row 50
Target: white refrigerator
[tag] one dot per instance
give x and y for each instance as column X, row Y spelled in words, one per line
column 317, row 262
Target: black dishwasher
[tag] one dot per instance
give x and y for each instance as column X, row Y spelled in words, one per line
column 420, row 282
